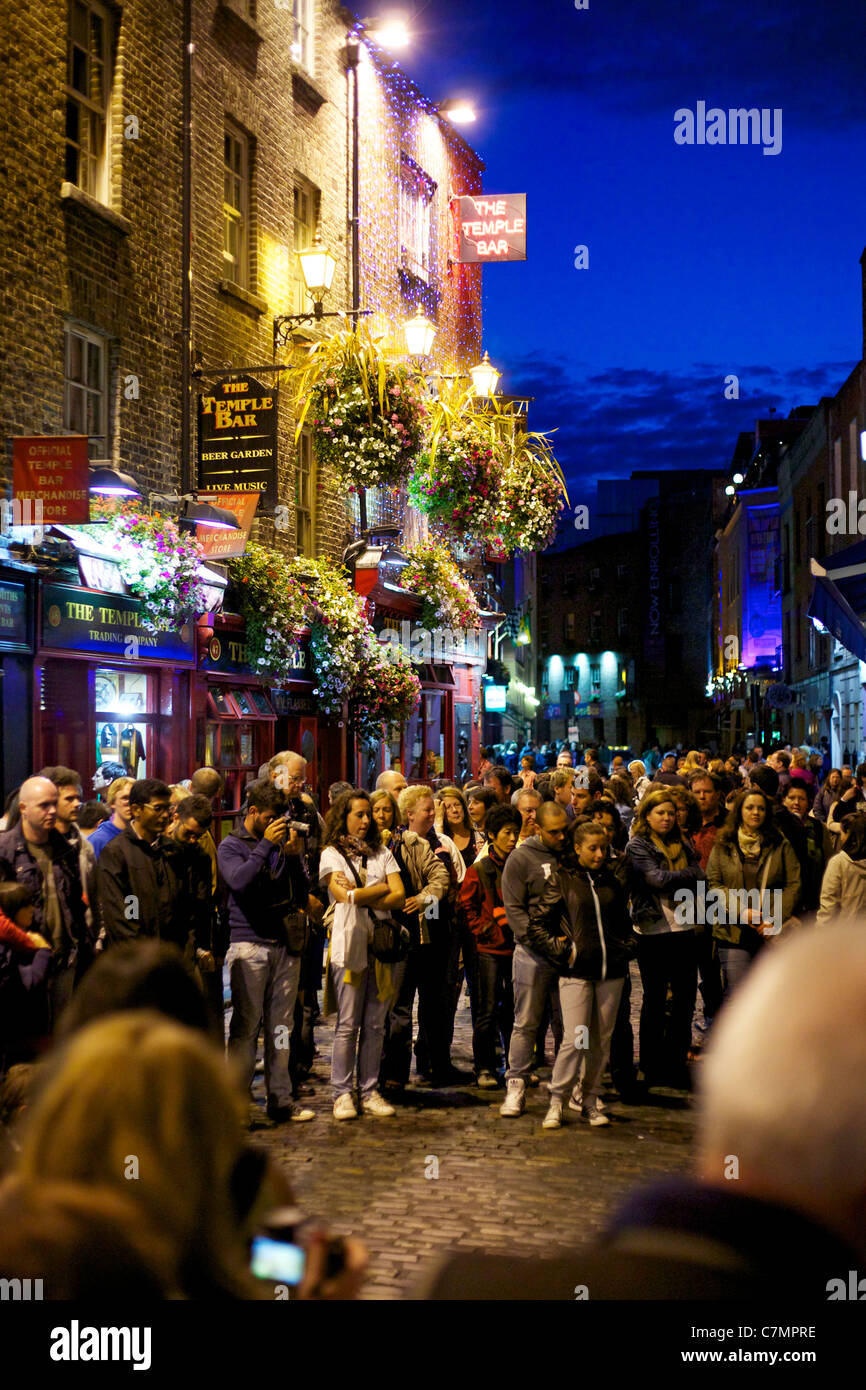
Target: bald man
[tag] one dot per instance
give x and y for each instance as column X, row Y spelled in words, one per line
column 391, row 781
column 35, row 854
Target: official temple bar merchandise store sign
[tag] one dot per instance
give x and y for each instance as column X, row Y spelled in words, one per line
column 490, row 228
column 237, row 439
column 217, row 543
column 51, row 474
column 88, row 620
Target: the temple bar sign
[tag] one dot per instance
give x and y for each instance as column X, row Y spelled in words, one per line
column 492, row 228
column 237, row 439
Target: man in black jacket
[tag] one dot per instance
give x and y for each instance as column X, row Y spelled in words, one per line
column 524, row 879
column 194, row 900
column 137, row 893
column 37, row 855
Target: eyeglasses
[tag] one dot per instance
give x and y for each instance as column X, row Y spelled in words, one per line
column 158, row 809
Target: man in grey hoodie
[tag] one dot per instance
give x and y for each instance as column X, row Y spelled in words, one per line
column 526, row 875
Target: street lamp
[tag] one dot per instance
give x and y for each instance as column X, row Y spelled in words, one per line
column 317, row 268
column 458, row 112
column 110, row 482
column 738, row 478
column 484, row 377
column 391, row 33
column 203, row 514
column 730, row 490
column 419, row 333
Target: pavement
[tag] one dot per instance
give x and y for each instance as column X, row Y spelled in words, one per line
column 447, row 1172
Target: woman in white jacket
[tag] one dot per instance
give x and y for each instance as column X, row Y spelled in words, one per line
column 843, row 890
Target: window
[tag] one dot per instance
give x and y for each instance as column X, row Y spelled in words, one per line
column 821, row 510
column 306, row 221
column 595, row 676
column 304, row 494
column 622, row 572
column 622, row 622
column 416, row 197
column 570, row 631
column 302, row 42
column 236, row 208
column 88, row 90
column 85, row 394
column 570, row 675
column 595, row 626
column 594, row 578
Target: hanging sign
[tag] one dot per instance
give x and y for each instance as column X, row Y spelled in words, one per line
column 50, row 476
column 490, row 228
column 218, row 544
column 237, row 438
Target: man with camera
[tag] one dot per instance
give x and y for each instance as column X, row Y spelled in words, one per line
column 267, row 907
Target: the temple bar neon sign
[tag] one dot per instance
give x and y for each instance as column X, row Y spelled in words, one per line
column 492, row 228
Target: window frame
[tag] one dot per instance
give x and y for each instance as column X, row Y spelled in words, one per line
column 98, row 186
column 304, row 453
column 417, row 191
column 90, row 338
column 303, row 21
column 303, row 235
column 238, row 270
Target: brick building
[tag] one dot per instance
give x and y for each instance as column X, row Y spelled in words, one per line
column 92, row 327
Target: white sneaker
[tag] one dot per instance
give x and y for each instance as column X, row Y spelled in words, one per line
column 374, row 1104
column 595, row 1116
column 344, row 1108
column 576, row 1102
column 515, row 1097
column 553, row 1118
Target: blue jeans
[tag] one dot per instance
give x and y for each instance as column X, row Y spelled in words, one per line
column 734, row 963
column 531, row 978
column 264, row 985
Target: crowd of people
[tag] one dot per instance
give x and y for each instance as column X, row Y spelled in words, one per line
column 130, row 933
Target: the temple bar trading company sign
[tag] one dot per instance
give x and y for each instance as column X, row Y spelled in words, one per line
column 492, row 228
column 87, row 620
column 237, row 438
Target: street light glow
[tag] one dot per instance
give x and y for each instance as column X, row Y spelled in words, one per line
column 484, row 377
column 458, row 112
column 392, row 33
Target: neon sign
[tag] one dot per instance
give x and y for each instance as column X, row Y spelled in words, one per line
column 490, row 228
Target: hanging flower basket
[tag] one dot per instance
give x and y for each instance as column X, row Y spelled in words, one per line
column 366, row 414
column 279, row 596
column 448, row 599
column 157, row 562
column 274, row 605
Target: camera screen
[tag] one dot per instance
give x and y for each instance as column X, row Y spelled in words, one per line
column 276, row 1260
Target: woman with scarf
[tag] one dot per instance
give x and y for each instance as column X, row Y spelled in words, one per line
column 362, row 877
column 660, row 865
column 750, row 854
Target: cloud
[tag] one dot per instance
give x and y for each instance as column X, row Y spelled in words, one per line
column 609, row 421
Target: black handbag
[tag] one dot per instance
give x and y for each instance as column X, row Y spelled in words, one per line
column 391, row 938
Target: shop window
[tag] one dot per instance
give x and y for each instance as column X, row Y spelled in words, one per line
column 237, row 742
column 124, row 707
column 462, row 741
column 85, row 388
column 236, row 207
column 89, row 61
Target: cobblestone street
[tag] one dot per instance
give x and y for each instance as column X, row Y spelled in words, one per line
column 502, row 1185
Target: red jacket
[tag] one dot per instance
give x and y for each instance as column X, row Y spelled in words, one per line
column 480, row 905
column 14, row 936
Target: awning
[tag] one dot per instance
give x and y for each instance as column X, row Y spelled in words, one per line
column 839, row 596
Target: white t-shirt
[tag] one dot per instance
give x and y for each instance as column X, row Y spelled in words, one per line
column 353, row 926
